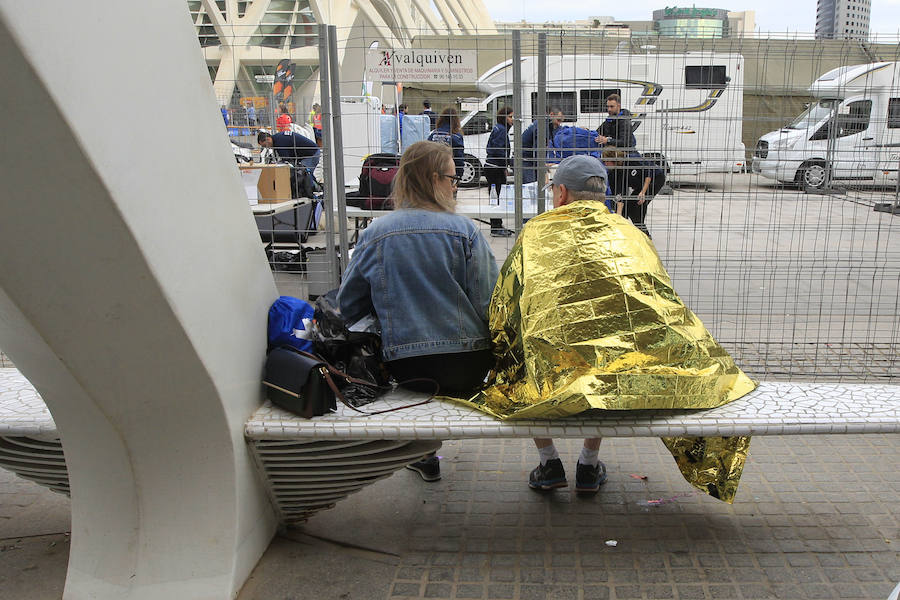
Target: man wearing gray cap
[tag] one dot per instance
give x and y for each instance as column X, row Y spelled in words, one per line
column 578, row 177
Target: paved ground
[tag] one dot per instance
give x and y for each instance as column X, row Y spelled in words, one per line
column 815, row 517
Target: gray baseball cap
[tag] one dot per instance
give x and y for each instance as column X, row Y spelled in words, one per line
column 574, row 171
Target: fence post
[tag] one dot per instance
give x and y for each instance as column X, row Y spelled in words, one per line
column 830, row 148
column 337, row 152
column 540, row 153
column 517, row 125
column 327, row 153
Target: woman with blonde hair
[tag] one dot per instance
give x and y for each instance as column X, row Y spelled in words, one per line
column 427, row 275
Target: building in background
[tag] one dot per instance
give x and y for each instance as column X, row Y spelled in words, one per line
column 697, row 22
column 693, row 22
column 244, row 40
column 843, row 19
column 604, row 25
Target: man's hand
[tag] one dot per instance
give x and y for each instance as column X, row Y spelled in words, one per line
column 601, row 139
column 642, row 197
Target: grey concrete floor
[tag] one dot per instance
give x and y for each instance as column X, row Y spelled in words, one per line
column 815, row 517
column 797, row 287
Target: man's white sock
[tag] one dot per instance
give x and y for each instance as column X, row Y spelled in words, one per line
column 589, row 457
column 549, row 453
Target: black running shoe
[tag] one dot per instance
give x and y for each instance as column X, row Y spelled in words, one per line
column 549, row 476
column 429, row 468
column 588, row 478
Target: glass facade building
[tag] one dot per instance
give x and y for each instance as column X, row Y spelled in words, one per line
column 692, row 22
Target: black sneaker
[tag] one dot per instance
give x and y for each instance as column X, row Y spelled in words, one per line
column 549, row 476
column 501, row 232
column 588, row 478
column 429, row 468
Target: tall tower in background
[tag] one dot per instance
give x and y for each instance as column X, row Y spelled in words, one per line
column 842, row 19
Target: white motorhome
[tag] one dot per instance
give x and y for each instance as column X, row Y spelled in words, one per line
column 687, row 108
column 862, row 102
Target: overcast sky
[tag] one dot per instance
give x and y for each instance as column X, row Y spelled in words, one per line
column 771, row 15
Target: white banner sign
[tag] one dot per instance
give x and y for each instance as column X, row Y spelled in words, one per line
column 422, row 65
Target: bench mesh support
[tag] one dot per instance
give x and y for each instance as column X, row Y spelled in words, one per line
column 40, row 461
column 306, row 476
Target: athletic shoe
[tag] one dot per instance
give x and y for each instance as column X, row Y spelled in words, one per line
column 549, row 476
column 429, row 468
column 588, row 478
column 501, row 232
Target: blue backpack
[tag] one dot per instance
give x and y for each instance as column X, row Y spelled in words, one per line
column 290, row 322
column 573, row 140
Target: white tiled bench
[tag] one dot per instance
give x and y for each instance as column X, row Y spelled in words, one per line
column 311, row 464
column 284, row 443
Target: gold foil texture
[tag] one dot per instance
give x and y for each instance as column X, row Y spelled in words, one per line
column 584, row 316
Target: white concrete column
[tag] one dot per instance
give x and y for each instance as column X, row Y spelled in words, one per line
column 133, row 293
column 226, row 74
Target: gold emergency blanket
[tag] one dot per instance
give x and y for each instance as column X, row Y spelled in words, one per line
column 584, row 316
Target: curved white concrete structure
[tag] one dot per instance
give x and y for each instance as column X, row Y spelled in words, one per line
column 133, row 294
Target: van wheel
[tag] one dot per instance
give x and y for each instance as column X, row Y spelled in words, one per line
column 471, row 174
column 813, row 176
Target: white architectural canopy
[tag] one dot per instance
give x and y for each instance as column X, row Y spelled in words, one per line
column 246, row 38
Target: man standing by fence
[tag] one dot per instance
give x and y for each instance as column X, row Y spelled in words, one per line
column 616, row 130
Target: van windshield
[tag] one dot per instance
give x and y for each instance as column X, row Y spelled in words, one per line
column 483, row 121
column 813, row 115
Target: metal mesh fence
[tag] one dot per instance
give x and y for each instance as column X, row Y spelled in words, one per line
column 777, row 221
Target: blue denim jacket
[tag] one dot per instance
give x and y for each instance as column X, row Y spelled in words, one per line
column 428, row 277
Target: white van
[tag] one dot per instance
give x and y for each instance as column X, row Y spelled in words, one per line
column 863, row 104
column 687, row 108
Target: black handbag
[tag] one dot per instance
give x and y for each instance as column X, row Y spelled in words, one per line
column 298, row 382
column 301, row 383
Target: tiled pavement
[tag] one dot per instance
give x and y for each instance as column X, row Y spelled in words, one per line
column 815, row 517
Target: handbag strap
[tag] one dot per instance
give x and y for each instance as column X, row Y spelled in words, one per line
column 327, row 370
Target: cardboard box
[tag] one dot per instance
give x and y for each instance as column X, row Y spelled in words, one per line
column 273, row 186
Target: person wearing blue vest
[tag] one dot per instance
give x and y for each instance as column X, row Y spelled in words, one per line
column 448, row 131
column 401, row 112
column 497, row 162
column 432, row 116
column 530, row 147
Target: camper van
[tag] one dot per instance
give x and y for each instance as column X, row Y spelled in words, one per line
column 687, row 108
column 849, row 134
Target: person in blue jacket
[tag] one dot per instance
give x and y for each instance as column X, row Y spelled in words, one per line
column 291, row 147
column 401, row 112
column 448, row 131
column 432, row 116
column 497, row 163
column 530, row 146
